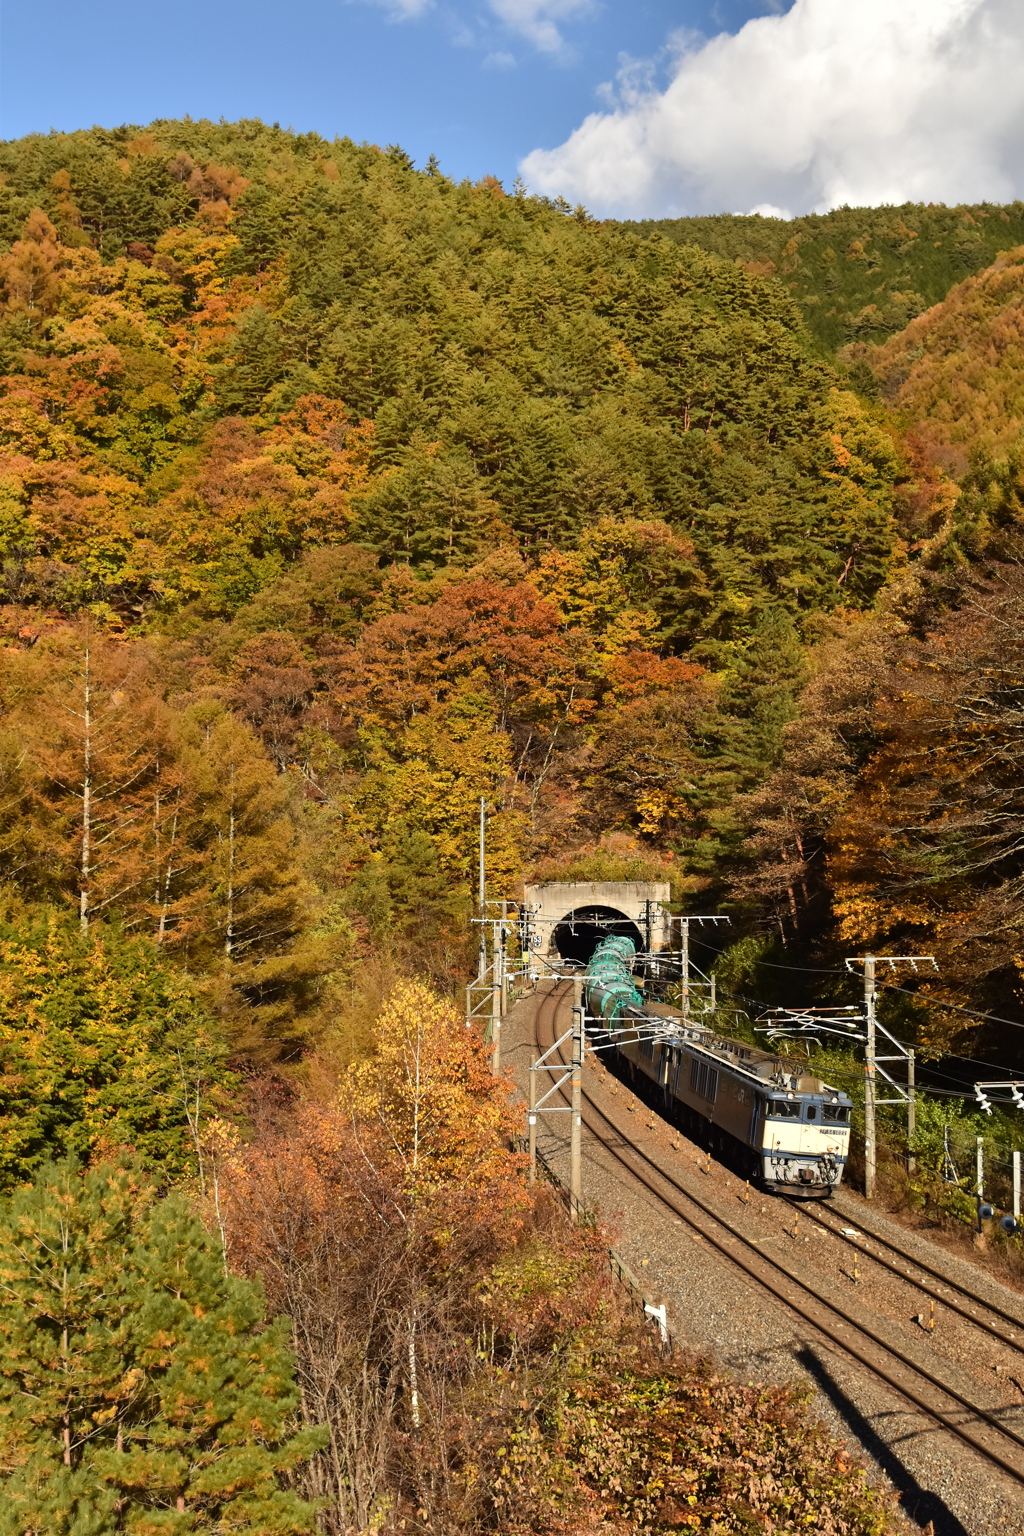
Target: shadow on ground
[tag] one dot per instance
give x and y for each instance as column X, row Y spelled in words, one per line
column 919, row 1504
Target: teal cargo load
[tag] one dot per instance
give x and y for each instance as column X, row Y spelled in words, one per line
column 609, row 987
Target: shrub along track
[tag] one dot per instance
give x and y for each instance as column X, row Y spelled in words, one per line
column 858, row 1336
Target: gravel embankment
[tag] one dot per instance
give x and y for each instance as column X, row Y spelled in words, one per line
column 715, row 1308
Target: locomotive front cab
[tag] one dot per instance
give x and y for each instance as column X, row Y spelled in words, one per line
column 804, row 1138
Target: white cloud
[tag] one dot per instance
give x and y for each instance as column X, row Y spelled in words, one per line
column 537, row 20
column 404, row 10
column 837, row 101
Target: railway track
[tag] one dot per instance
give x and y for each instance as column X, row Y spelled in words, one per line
column 986, row 1315
column 859, row 1337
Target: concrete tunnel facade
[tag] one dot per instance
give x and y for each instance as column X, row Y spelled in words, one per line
column 568, row 919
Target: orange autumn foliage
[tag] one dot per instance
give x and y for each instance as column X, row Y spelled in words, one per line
column 956, row 373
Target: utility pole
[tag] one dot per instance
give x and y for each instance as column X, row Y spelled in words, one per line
column 532, row 1126
column 497, row 993
column 576, row 1101
column 525, row 943
column 482, row 888
column 504, row 956
column 911, row 1111
column 871, row 1058
column 684, row 952
column 869, row 1077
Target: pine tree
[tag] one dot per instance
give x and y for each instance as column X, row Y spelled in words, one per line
column 431, row 510
column 759, row 698
column 138, row 1389
column 100, row 1045
column 255, row 362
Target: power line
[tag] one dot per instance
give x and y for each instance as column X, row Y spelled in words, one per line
column 987, row 1018
column 806, row 970
column 740, row 997
column 811, row 970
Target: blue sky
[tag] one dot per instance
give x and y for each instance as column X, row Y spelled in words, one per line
column 447, row 76
column 639, row 109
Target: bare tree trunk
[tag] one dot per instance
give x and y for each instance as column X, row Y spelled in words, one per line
column 167, row 877
column 538, row 782
column 414, row 1381
column 229, row 936
column 86, row 861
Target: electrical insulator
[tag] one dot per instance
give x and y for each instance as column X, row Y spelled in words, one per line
column 1009, row 1225
column 985, row 1212
column 982, row 1100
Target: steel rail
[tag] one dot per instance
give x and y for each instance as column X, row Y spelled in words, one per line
column 860, row 1246
column 765, row 1261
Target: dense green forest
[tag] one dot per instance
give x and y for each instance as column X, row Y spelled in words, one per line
column 334, row 496
column 858, row 274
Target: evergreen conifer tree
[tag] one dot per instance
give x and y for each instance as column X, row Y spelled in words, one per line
column 138, row 1391
column 98, row 1039
column 759, row 698
column 255, row 362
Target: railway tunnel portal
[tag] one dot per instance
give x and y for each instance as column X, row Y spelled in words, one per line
column 568, row 920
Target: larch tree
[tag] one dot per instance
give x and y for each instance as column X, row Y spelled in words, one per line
column 30, row 274
column 97, row 750
column 252, row 910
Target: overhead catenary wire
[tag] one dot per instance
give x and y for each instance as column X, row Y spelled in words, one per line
column 946, row 1093
column 816, row 970
column 925, row 1001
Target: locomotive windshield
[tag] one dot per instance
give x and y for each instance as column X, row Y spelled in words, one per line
column 836, row 1112
column 784, row 1109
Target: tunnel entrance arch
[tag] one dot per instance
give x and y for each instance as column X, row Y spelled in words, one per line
column 557, row 913
column 581, row 931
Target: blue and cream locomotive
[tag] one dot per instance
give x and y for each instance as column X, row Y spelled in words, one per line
column 790, row 1129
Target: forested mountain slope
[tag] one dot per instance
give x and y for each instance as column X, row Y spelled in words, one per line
column 858, row 273
column 956, row 374
column 335, row 498
column 498, row 375
column 910, row 744
column 348, row 495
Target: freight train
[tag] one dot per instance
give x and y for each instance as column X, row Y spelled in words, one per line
column 789, row 1129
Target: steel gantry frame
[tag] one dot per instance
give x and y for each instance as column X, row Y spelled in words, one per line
column 844, row 1021
column 664, row 1029
column 571, row 1073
